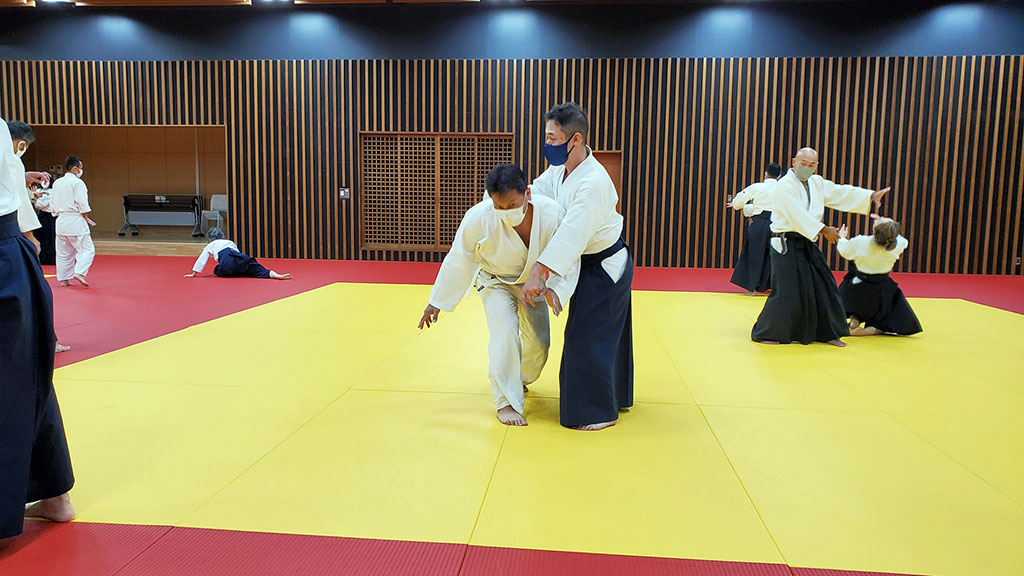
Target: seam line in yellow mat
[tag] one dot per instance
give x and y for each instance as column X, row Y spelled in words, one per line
column 780, row 408
column 58, row 379
column 724, row 453
column 927, row 441
column 451, row 392
column 260, row 459
column 293, row 433
column 487, row 491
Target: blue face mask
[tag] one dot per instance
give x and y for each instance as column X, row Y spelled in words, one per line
column 557, row 154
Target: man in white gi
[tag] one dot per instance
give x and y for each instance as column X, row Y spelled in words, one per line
column 495, row 246
column 804, row 305
column 69, row 201
column 753, row 270
column 596, row 376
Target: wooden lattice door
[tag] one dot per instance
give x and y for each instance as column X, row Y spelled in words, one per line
column 417, row 186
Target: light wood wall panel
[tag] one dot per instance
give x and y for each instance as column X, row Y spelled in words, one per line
column 945, row 132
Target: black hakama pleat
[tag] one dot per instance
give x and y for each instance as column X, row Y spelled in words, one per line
column 234, row 264
column 804, row 305
column 596, row 376
column 34, row 459
column 877, row 300
column 753, row 270
column 47, row 237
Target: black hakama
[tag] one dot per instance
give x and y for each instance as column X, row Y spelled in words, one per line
column 596, row 377
column 34, row 459
column 753, row 270
column 47, row 237
column 804, row 305
column 234, row 264
column 877, row 301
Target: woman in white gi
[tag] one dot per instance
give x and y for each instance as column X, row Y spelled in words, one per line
column 596, row 377
column 69, row 201
column 804, row 305
column 495, row 246
column 874, row 302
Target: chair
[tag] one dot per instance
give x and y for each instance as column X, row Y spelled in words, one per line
column 218, row 211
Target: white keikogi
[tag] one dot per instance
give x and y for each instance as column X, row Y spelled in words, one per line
column 69, row 201
column 756, row 198
column 489, row 254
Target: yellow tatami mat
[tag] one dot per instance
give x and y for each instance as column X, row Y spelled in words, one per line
column 330, row 413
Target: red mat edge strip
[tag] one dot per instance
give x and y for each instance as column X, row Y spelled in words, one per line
column 99, row 549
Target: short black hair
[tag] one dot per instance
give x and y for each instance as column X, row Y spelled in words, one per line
column 505, row 178
column 571, row 118
column 773, row 170
column 72, row 162
column 21, row 131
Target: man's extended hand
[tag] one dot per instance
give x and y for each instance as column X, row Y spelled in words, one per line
column 430, row 316
column 831, row 233
column 41, row 179
column 876, row 196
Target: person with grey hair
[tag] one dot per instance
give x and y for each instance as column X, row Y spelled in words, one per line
column 231, row 262
column 804, row 304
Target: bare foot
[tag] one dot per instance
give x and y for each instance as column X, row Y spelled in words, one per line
column 596, row 427
column 276, row 276
column 509, row 417
column 854, row 323
column 65, row 283
column 751, row 293
column 770, row 342
column 837, row 343
column 61, row 348
column 57, row 509
column 81, row 279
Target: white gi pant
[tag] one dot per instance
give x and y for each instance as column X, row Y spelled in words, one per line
column 74, row 256
column 520, row 339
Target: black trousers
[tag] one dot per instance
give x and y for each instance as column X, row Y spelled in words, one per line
column 804, row 305
column 753, row 270
column 34, row 459
column 234, row 264
column 47, row 237
column 596, row 377
column 877, row 300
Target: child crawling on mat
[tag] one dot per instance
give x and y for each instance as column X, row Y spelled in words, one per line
column 231, row 262
column 873, row 301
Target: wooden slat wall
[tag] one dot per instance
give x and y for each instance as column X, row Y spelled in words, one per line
column 945, row 132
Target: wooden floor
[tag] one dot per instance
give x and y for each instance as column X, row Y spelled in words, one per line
column 151, row 241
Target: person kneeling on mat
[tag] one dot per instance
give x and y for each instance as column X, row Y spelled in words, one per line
column 231, row 262
column 873, row 301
